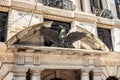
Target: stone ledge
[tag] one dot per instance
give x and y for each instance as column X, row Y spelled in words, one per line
column 71, row 50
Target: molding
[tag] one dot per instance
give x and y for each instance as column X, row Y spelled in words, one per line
column 58, row 18
column 4, row 9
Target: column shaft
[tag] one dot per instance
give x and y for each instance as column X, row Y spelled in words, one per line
column 104, row 4
column 86, row 6
column 97, row 75
column 85, row 75
column 78, row 5
column 112, row 7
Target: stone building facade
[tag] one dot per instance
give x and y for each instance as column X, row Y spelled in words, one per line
column 26, row 55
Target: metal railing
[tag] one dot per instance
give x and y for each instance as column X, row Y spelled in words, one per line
column 106, row 13
column 62, row 4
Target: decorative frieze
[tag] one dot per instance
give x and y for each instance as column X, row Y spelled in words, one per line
column 55, row 58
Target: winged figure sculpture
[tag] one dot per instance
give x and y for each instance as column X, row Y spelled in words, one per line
column 62, row 39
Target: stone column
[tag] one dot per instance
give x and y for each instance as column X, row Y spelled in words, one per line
column 85, row 75
column 104, row 4
column 112, row 7
column 97, row 75
column 35, row 74
column 20, row 74
column 86, row 6
column 115, row 33
column 78, row 5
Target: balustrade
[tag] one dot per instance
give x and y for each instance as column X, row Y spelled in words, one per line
column 106, row 13
column 62, row 4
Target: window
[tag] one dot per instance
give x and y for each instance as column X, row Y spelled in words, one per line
column 3, row 26
column 105, row 36
column 117, row 2
column 62, row 4
column 96, row 4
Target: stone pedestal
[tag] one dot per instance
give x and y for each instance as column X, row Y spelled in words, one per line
column 20, row 74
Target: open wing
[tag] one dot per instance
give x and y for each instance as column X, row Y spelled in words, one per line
column 74, row 36
column 50, row 34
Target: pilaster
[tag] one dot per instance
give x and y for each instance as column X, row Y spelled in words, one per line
column 78, row 5
column 97, row 75
column 112, row 7
column 86, row 6
column 35, row 74
column 85, row 75
column 20, row 74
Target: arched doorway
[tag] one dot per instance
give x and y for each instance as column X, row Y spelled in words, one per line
column 112, row 78
column 56, row 79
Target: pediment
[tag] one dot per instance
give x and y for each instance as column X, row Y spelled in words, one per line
column 32, row 37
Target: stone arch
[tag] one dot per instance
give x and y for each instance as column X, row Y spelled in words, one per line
column 32, row 36
column 60, row 74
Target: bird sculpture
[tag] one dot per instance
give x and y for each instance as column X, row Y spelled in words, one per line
column 62, row 39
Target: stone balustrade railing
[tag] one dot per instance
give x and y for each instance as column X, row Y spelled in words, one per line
column 5, row 2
